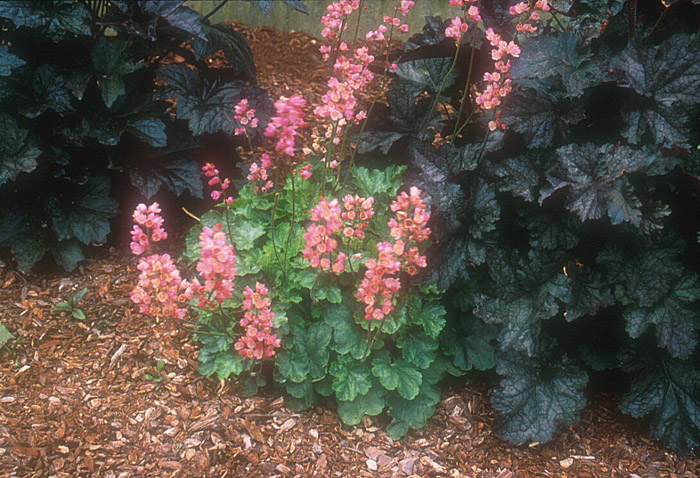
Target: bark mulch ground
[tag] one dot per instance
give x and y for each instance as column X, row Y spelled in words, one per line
column 76, row 399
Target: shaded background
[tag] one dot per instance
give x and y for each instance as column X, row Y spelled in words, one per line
column 286, row 19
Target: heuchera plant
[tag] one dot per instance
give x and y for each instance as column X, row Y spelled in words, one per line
column 557, row 144
column 549, row 222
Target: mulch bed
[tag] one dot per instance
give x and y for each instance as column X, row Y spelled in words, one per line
column 75, row 400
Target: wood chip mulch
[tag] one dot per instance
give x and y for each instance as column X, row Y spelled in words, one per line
column 75, row 399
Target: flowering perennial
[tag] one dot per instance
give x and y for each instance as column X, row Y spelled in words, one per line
column 211, row 172
column 259, row 173
column 358, row 211
column 320, row 244
column 245, row 116
column 258, row 341
column 284, row 126
column 381, row 279
column 149, row 218
column 216, row 265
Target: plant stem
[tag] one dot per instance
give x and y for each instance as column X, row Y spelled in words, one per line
column 456, row 130
column 215, row 9
column 291, row 225
column 439, row 92
column 272, row 225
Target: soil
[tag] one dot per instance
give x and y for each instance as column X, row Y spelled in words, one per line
column 86, row 398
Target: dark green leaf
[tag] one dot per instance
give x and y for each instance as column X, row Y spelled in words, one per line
column 429, row 73
column 589, row 294
column 150, row 130
column 8, row 61
column 178, row 175
column 220, row 37
column 16, row 156
column 87, row 218
column 535, row 396
column 48, row 90
column 57, row 17
column 111, row 64
column 5, row 335
column 596, row 179
column 668, row 77
column 68, row 254
column 417, row 348
column 669, row 391
column 348, row 337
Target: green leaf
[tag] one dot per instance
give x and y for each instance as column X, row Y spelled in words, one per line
column 5, row 336
column 87, row 219
column 432, row 317
column 293, row 365
column 535, row 395
column 371, row 403
column 471, row 343
column 417, row 348
column 412, row 413
column 245, row 235
column 177, row 174
column 348, row 337
column 595, row 176
column 350, row 378
column 669, row 392
column 16, row 156
column 589, row 294
column 378, row 182
column 8, row 61
column 78, row 314
column 401, row 376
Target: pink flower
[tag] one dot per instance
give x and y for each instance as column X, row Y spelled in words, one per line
column 149, row 218
column 284, row 126
column 456, row 29
column 245, row 116
column 258, row 342
column 160, row 291
column 210, row 171
column 216, row 266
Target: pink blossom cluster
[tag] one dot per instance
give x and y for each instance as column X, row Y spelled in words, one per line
column 258, row 342
column 498, row 82
column 409, row 227
column 245, row 116
column 149, row 218
column 284, row 126
column 395, row 22
column 456, row 29
column 381, row 279
column 211, row 172
column 380, row 283
column 320, row 245
column 358, row 211
column 528, row 26
column 259, row 173
column 216, row 265
column 160, row 291
column 352, row 74
column 334, row 23
column 460, row 3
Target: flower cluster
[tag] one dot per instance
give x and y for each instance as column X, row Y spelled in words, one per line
column 284, row 126
column 320, row 244
column 160, row 291
column 395, row 22
column 149, row 218
column 245, row 116
column 216, row 265
column 259, row 173
column 381, row 279
column 211, row 172
column 534, row 16
column 258, row 341
column 335, row 22
column 456, row 29
column 409, row 227
column 358, row 211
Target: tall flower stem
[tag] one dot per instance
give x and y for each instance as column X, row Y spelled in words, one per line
column 457, row 128
column 439, row 92
column 291, row 225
